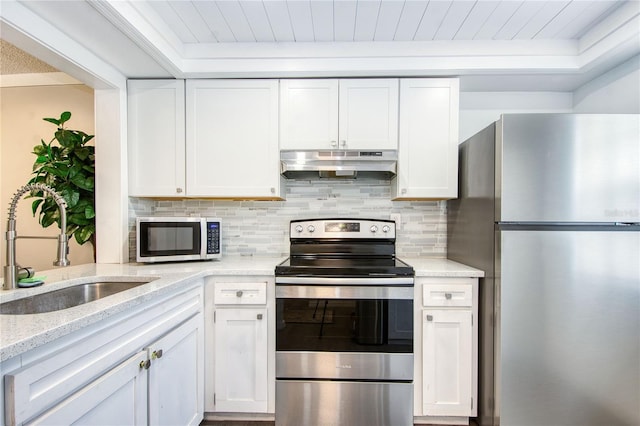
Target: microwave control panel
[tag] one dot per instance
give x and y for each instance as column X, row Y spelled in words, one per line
column 213, row 237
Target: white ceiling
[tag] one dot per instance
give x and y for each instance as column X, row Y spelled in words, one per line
column 376, row 20
column 555, row 45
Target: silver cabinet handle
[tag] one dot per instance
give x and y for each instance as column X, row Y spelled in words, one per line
column 429, row 317
column 259, row 316
column 447, row 296
column 343, row 144
column 334, row 144
column 239, row 293
column 179, row 190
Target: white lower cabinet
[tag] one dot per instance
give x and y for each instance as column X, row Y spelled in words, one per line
column 446, row 350
column 118, row 397
column 176, row 385
column 240, row 345
column 446, row 367
column 143, row 366
column 241, row 360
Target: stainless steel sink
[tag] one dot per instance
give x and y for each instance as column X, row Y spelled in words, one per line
column 67, row 297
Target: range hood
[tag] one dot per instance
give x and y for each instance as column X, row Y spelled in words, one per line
column 343, row 163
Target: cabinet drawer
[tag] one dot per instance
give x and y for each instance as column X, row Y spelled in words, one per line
column 240, row 293
column 447, row 295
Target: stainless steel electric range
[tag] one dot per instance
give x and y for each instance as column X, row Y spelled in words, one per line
column 344, row 339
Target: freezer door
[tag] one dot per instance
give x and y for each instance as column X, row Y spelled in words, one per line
column 568, row 306
column 568, row 168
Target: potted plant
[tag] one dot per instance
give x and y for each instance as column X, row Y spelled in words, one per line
column 67, row 164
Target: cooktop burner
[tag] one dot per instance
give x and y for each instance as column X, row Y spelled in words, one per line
column 343, row 267
column 343, row 248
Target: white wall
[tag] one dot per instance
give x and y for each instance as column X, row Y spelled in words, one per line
column 617, row 91
column 21, row 113
column 479, row 109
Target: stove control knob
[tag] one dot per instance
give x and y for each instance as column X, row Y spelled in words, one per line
column 374, row 229
column 299, row 228
column 311, row 228
column 386, row 229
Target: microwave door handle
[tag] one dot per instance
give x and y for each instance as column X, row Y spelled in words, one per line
column 203, row 238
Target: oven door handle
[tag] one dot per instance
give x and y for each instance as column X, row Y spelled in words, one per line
column 343, row 292
column 370, row 281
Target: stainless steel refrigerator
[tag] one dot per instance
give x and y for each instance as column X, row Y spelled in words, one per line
column 549, row 208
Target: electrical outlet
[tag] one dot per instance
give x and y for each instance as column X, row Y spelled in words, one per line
column 397, row 218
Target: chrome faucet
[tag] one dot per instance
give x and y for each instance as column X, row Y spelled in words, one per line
column 11, row 270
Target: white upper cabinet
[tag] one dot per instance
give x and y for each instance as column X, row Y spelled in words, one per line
column 368, row 114
column 308, row 114
column 232, row 139
column 428, row 144
column 339, row 114
column 156, row 138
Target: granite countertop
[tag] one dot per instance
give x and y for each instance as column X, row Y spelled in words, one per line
column 20, row 333
column 435, row 267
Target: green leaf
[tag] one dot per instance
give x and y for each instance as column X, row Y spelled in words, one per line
column 89, row 212
column 71, row 197
column 78, row 219
column 63, row 173
column 64, row 117
column 34, row 205
column 73, row 169
column 40, row 150
column 49, row 218
column 52, row 120
column 83, row 235
column 82, row 153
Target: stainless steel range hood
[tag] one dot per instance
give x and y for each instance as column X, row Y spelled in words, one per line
column 344, row 163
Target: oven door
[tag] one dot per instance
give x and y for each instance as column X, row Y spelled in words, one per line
column 344, row 353
column 344, row 332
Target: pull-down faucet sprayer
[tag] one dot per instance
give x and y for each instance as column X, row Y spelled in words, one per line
column 12, row 268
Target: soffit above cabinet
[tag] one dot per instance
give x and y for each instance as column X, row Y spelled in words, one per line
column 491, row 45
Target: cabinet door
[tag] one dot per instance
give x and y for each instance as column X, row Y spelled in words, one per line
column 308, row 114
column 156, row 137
column 176, row 376
column 428, row 145
column 447, row 362
column 368, row 114
column 232, row 139
column 241, row 360
column 119, row 397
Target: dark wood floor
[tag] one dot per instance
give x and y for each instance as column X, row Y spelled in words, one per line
column 234, row 423
column 265, row 423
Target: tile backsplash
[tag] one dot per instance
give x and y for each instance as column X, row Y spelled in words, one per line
column 261, row 228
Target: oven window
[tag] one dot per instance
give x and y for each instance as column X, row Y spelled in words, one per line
column 169, row 238
column 344, row 325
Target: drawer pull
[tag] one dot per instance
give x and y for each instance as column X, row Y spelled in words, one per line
column 239, row 293
column 429, row 317
column 145, row 364
column 447, row 296
column 156, row 354
column 259, row 316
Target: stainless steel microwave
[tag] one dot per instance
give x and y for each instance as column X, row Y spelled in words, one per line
column 172, row 239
